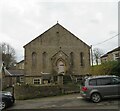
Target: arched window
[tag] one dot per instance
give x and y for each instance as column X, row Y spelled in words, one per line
column 81, row 59
column 72, row 58
column 44, row 60
column 34, row 59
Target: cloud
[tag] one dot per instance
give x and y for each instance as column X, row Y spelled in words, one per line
column 4, row 38
column 98, row 18
column 113, row 32
column 23, row 20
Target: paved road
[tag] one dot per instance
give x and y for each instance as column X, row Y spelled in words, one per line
column 74, row 101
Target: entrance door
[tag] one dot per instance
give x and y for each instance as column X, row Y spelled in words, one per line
column 61, row 67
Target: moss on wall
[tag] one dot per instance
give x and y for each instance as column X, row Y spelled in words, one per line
column 23, row 92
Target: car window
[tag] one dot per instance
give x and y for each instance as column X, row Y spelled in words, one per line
column 104, row 81
column 99, row 81
column 116, row 80
column 92, row 82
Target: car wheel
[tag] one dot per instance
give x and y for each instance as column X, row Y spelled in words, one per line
column 96, row 97
column 3, row 105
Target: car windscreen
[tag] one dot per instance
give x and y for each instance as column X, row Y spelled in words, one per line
column 116, row 80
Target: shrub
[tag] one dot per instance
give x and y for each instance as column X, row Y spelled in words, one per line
column 107, row 68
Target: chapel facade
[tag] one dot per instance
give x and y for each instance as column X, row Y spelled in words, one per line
column 54, row 54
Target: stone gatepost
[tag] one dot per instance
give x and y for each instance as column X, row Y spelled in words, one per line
column 60, row 79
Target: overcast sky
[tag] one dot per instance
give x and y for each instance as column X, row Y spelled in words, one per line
column 93, row 21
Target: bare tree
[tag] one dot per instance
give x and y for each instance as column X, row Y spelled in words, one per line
column 97, row 54
column 8, row 55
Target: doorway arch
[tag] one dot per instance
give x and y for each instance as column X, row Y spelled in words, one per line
column 61, row 66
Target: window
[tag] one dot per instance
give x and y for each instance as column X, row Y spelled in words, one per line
column 116, row 80
column 21, row 79
column 34, row 59
column 55, row 78
column 98, row 82
column 71, row 58
column 37, row 81
column 18, row 79
column 44, row 60
column 104, row 81
column 81, row 59
column 116, row 56
column 92, row 82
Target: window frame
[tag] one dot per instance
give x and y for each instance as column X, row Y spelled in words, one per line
column 81, row 59
column 44, row 60
column 34, row 59
column 106, row 78
column 37, row 82
column 21, row 79
column 72, row 58
column 92, row 80
column 101, row 82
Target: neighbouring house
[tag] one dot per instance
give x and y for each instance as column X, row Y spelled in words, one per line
column 54, row 54
column 20, row 65
column 12, row 77
column 113, row 55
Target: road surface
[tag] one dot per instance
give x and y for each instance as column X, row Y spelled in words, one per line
column 72, row 101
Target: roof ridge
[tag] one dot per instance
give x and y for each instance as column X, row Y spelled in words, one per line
column 51, row 28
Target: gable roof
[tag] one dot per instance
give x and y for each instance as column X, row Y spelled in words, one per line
column 105, row 55
column 22, row 61
column 13, row 72
column 114, row 50
column 50, row 29
column 19, row 72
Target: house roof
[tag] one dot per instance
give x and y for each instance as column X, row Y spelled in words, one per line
column 50, row 29
column 116, row 49
column 105, row 55
column 13, row 72
column 20, row 61
column 46, row 76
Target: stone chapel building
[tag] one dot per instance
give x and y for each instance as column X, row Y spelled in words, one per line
column 54, row 54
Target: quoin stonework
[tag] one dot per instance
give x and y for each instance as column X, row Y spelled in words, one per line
column 55, row 54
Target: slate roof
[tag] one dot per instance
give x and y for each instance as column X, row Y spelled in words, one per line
column 20, row 61
column 14, row 72
column 114, row 50
column 105, row 55
column 46, row 76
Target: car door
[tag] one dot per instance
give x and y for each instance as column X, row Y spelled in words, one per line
column 116, row 86
column 104, row 86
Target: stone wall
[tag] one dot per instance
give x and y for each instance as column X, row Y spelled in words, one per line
column 22, row 92
column 29, row 92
